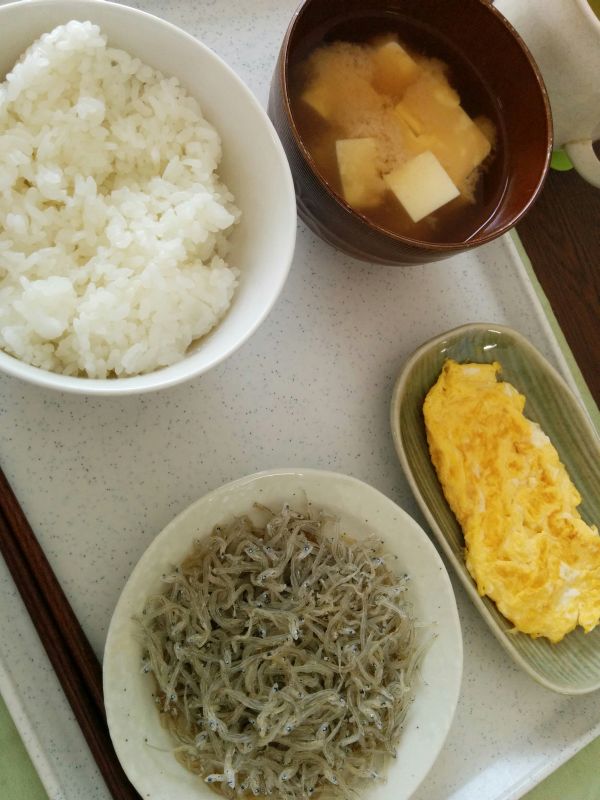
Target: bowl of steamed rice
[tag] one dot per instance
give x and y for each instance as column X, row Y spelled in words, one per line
column 133, row 253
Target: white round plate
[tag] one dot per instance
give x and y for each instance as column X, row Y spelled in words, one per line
column 144, row 746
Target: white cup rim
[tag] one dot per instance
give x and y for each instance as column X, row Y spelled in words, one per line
column 587, row 11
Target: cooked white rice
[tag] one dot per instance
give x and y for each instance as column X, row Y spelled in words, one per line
column 113, row 220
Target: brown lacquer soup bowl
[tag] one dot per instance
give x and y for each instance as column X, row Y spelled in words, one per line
column 487, row 62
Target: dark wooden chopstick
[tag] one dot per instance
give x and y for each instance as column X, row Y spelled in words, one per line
column 52, row 592
column 68, row 649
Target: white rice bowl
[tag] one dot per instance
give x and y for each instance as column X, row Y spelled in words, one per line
column 113, row 219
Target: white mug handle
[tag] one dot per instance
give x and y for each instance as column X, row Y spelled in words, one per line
column 585, row 160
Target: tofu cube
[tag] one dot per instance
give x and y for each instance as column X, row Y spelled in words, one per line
column 383, row 38
column 429, row 106
column 487, row 127
column 431, row 101
column 445, row 95
column 318, row 97
column 408, row 120
column 362, row 184
column 461, row 148
column 414, row 143
column 394, row 69
column 421, row 185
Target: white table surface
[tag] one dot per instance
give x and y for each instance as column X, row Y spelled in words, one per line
column 98, row 479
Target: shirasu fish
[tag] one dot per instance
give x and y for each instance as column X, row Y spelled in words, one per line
column 283, row 657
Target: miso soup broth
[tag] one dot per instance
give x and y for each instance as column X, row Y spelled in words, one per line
column 402, row 129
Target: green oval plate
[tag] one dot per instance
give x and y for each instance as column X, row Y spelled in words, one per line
column 573, row 665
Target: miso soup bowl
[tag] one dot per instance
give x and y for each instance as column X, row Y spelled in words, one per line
column 470, row 32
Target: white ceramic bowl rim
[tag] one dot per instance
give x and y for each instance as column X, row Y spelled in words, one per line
column 361, row 508
column 195, row 363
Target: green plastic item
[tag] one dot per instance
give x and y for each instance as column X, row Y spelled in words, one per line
column 560, row 161
column 18, row 778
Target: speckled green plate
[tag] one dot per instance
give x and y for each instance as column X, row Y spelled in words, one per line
column 573, row 665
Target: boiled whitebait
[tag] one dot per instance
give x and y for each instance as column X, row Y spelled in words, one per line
column 283, row 657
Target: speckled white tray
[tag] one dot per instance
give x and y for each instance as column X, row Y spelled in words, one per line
column 99, row 479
